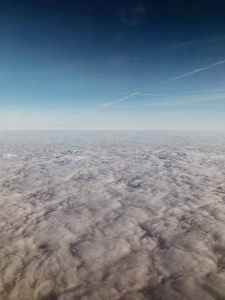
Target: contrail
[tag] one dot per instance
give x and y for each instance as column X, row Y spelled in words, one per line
column 154, row 95
column 172, row 79
column 200, row 41
column 117, row 101
column 196, row 71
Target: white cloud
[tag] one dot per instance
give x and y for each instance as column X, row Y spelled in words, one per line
column 195, row 71
column 120, row 215
column 117, row 101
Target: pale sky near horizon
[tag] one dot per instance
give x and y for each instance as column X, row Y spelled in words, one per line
column 112, row 64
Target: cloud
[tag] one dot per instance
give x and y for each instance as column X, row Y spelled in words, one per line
column 113, row 216
column 200, row 41
column 187, row 100
column 149, row 94
column 195, row 71
column 117, row 101
column 133, row 15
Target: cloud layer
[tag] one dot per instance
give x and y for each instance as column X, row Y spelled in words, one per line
column 112, row 216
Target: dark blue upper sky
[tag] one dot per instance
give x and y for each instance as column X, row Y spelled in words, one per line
column 77, row 64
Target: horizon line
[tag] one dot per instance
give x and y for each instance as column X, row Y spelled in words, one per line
column 112, row 129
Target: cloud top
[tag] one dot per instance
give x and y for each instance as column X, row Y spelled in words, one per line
column 120, row 215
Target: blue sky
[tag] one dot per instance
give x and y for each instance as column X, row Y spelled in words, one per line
column 112, row 64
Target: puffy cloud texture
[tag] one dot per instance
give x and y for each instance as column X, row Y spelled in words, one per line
column 112, row 215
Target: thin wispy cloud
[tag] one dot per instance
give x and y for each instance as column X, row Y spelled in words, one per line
column 149, row 94
column 183, row 100
column 195, row 71
column 200, row 41
column 133, row 15
column 117, row 101
column 188, row 100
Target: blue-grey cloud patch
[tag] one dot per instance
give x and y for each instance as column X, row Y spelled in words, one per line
column 133, row 14
column 120, row 215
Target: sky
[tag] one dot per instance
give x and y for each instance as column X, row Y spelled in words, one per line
column 112, row 64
